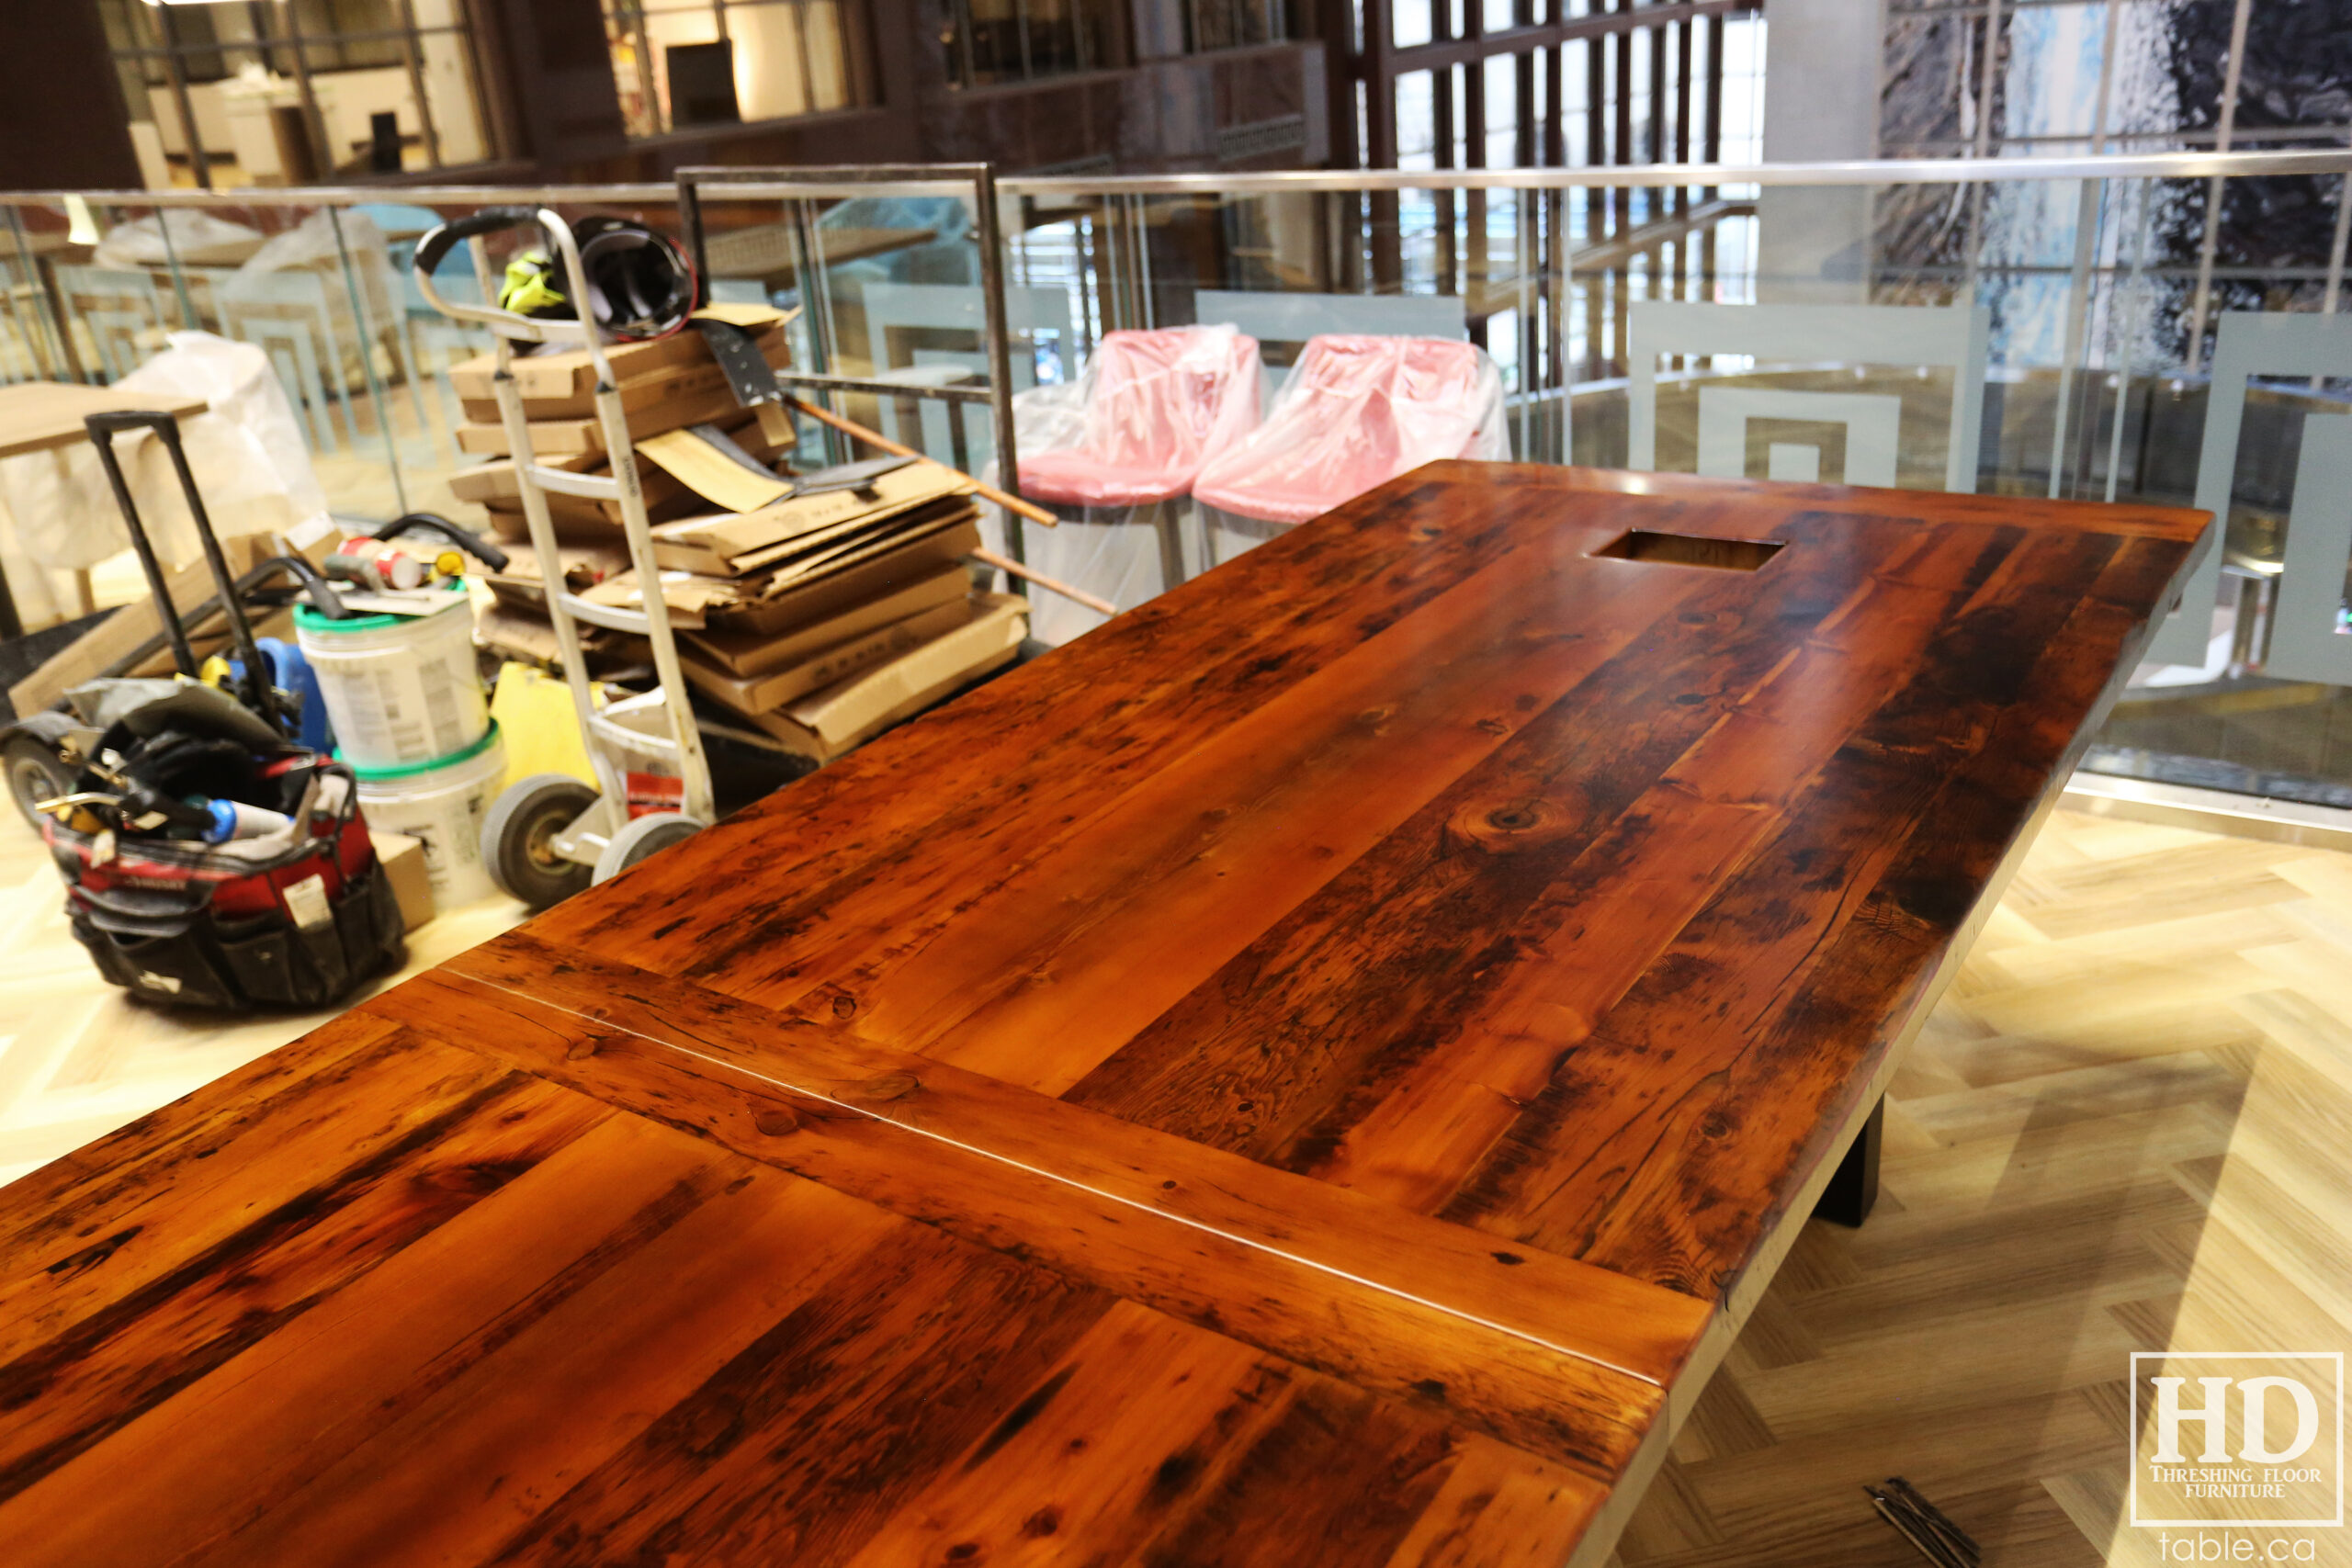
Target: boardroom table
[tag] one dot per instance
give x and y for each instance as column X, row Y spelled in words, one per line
column 1316, row 1072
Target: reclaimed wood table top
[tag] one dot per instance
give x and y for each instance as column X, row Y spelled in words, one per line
column 1315, row 1072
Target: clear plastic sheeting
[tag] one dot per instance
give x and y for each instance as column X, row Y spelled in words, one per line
column 1115, row 452
column 1114, row 553
column 299, row 277
column 246, row 453
column 1355, row 411
column 1149, row 409
column 177, row 234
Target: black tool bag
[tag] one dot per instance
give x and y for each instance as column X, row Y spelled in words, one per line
column 208, row 926
column 296, row 918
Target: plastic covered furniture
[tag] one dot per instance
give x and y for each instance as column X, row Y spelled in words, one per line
column 1116, row 449
column 1151, row 407
column 1356, row 411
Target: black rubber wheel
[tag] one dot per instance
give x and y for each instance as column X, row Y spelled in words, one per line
column 35, row 772
column 647, row 835
column 518, row 839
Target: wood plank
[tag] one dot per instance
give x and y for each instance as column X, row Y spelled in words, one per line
column 1196, row 856
column 358, row 1110
column 111, row 1364
column 1474, row 869
column 264, row 1422
column 1498, row 1509
column 1887, row 906
column 938, row 812
column 471, row 1460
column 1560, row 1360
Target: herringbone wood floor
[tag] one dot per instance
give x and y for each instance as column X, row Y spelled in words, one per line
column 79, row 1058
column 2128, row 1126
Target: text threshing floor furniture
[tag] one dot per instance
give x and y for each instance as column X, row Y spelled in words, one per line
column 1316, row 1072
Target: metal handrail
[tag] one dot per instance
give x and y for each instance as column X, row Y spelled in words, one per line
column 1889, row 171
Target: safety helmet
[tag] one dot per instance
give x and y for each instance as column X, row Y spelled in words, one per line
column 640, row 284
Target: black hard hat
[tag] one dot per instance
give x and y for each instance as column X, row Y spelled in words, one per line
column 640, row 284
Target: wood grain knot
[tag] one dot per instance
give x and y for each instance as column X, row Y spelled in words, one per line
column 882, row 1087
column 775, row 1121
column 1507, row 827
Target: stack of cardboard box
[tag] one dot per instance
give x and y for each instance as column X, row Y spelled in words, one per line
column 668, row 387
column 824, row 617
column 819, row 608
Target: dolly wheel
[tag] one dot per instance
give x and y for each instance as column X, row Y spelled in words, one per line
column 518, row 839
column 641, row 838
column 35, row 772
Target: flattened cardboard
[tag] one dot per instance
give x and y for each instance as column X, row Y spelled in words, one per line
column 678, row 381
column 572, row 374
column 863, row 544
column 740, row 542
column 689, row 460
column 113, row 638
column 494, row 486
column 577, row 523
column 522, row 586
column 556, row 437
column 402, row 858
column 530, row 639
column 664, row 498
column 764, row 693
column 691, row 598
column 802, row 602
column 495, row 480
column 740, row 654
column 798, row 556
column 825, row 724
column 758, row 605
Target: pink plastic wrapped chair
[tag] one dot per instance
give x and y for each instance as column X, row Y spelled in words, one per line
column 1153, row 407
column 1355, row 411
column 1111, row 449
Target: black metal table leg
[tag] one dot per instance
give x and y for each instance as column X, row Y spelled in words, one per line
column 11, row 628
column 1853, row 1190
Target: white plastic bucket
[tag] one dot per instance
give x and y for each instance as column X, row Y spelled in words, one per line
column 441, row 804
column 401, row 688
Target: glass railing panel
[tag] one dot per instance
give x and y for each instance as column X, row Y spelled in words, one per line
column 2251, row 689
column 2131, row 335
column 224, row 298
column 2035, row 336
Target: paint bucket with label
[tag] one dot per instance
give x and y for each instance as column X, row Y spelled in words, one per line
column 401, row 688
column 441, row 804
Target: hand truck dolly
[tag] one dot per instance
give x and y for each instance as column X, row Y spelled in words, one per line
column 550, row 835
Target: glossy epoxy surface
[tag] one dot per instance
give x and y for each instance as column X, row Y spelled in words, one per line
column 1294, row 1077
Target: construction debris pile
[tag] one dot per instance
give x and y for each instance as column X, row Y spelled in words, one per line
column 818, row 608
